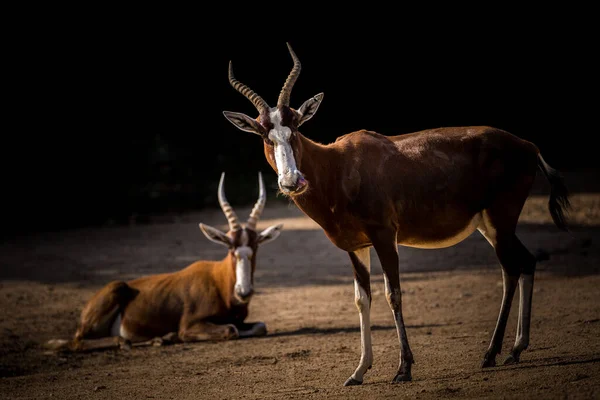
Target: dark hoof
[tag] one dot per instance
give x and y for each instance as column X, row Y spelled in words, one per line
column 352, row 382
column 511, row 359
column 56, row 344
column 231, row 332
column 406, row 377
column 260, row 329
column 488, row 362
column 125, row 345
column 170, row 338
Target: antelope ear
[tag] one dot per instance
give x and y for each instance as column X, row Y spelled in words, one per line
column 215, row 235
column 309, row 108
column 269, row 234
column 244, row 122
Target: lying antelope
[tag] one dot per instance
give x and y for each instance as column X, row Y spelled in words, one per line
column 208, row 300
column 428, row 189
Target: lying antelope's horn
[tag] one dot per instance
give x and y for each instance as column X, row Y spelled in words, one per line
column 234, row 223
column 258, row 101
column 259, row 206
column 284, row 96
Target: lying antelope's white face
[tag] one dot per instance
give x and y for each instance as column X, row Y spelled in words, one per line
column 242, row 242
column 243, row 252
column 243, row 245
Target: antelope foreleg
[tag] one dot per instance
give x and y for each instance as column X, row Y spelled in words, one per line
column 361, row 263
column 88, row 345
column 252, row 329
column 388, row 255
column 201, row 331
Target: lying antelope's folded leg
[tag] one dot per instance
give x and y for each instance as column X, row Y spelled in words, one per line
column 252, row 329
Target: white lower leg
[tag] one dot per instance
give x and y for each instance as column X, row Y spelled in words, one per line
column 520, row 317
column 363, row 304
column 366, row 350
column 524, row 323
column 509, row 285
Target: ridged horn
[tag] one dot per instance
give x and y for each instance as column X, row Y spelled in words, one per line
column 286, row 91
column 259, row 206
column 232, row 218
column 258, row 101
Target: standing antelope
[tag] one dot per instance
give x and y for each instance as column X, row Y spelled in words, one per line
column 208, row 300
column 428, row 189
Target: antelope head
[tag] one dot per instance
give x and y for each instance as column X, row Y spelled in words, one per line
column 242, row 241
column 278, row 126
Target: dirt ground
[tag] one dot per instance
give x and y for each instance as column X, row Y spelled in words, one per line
column 305, row 296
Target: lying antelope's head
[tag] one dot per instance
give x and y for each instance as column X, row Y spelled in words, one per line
column 242, row 241
column 278, row 126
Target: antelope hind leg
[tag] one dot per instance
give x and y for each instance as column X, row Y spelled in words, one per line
column 99, row 314
column 524, row 321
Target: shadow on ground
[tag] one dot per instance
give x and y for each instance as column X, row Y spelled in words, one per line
column 94, row 256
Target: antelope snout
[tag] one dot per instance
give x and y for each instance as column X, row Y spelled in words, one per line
column 243, row 295
column 292, row 183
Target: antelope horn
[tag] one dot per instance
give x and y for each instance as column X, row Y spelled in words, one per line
column 258, row 101
column 234, row 224
column 259, row 206
column 284, row 96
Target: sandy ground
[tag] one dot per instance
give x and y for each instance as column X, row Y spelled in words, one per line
column 305, row 296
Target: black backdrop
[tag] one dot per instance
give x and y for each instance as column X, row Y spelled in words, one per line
column 114, row 117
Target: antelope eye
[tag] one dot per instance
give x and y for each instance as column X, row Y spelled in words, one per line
column 295, row 120
column 268, row 125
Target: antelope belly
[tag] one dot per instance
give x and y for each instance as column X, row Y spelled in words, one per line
column 447, row 241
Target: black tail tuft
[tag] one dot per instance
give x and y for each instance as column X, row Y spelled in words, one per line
column 559, row 194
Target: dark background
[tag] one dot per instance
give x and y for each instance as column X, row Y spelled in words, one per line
column 109, row 118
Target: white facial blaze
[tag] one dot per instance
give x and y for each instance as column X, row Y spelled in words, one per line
column 284, row 155
column 243, row 267
column 243, row 270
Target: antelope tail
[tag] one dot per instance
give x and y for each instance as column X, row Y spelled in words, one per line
column 558, row 204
